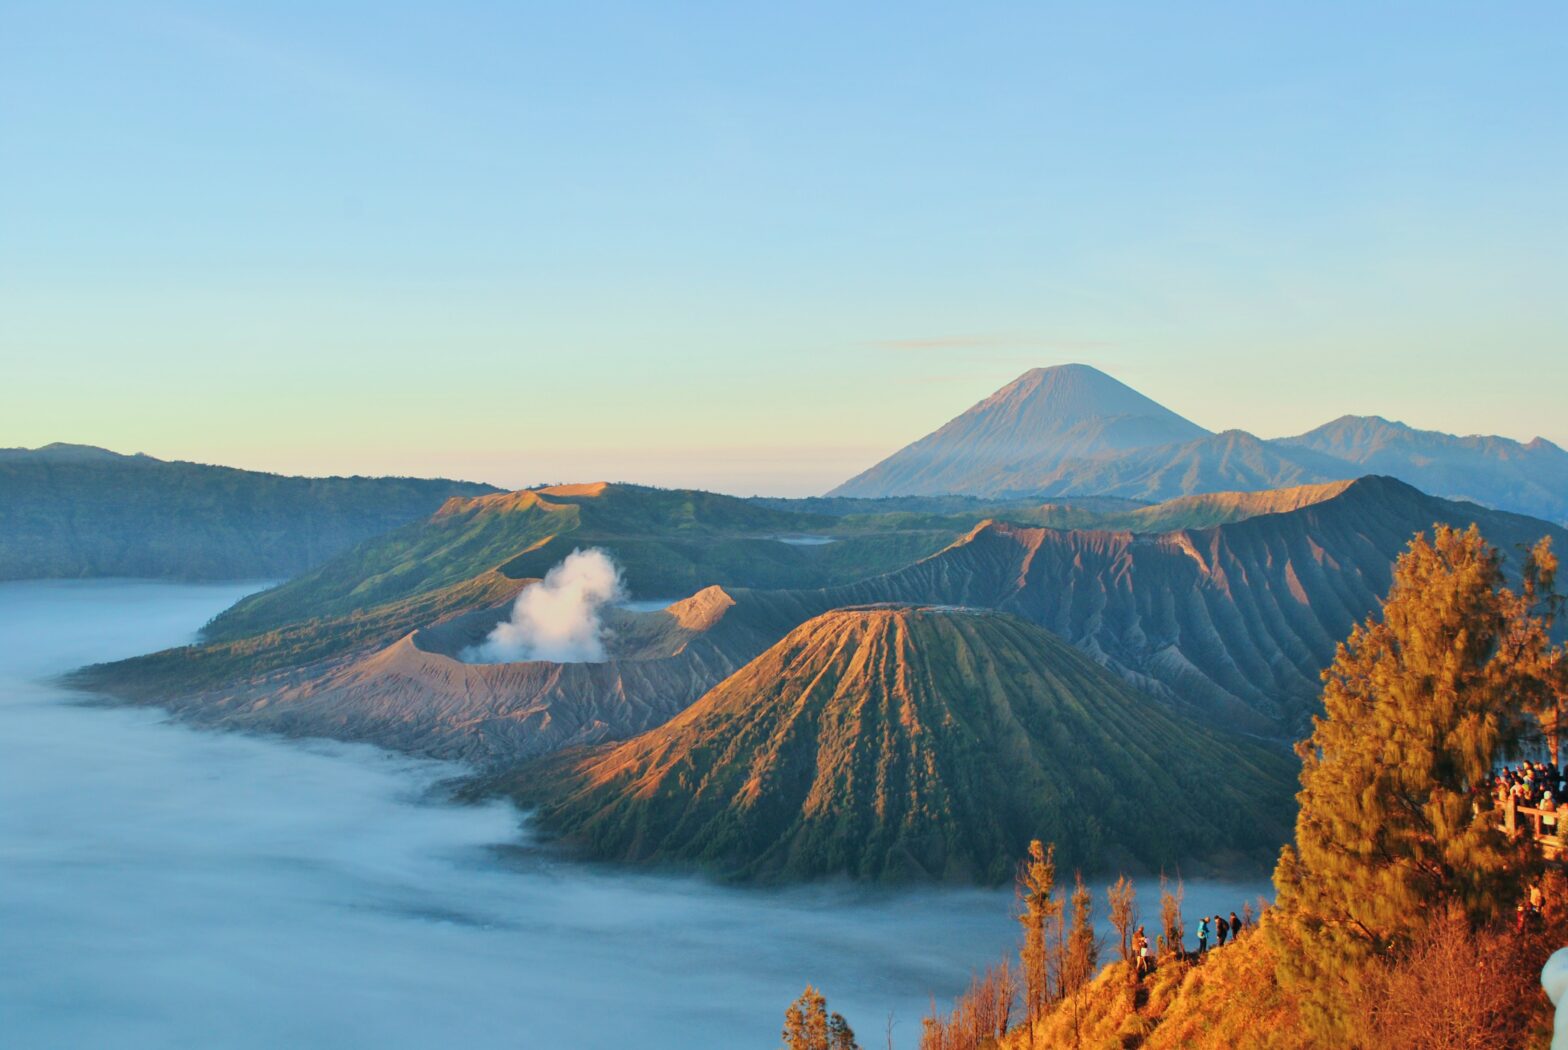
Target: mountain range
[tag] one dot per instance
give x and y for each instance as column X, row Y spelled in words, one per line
column 1072, row 430
column 76, row 511
column 897, row 687
column 1220, row 609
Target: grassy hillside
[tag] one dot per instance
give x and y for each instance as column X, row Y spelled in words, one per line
column 913, row 742
column 73, row 511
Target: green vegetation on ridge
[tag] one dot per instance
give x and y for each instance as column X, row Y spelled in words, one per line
column 74, row 511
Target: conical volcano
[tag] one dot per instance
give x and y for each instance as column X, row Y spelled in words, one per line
column 917, row 742
column 1043, row 417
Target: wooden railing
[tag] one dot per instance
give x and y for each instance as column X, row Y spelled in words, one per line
column 1545, row 826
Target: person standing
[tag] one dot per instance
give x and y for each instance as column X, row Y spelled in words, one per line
column 1221, row 930
column 1235, row 926
column 1203, row 935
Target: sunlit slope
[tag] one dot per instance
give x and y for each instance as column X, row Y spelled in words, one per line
column 916, row 742
column 668, row 542
column 1186, row 512
column 960, row 514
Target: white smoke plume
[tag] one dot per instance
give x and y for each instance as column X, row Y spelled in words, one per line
column 557, row 619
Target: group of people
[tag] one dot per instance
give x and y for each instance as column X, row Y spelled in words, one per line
column 1223, row 928
column 1532, row 784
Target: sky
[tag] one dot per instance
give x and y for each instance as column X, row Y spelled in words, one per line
column 756, row 247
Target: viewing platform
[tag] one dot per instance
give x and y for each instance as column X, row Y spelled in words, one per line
column 1543, row 825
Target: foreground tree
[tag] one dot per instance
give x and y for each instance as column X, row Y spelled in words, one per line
column 1123, row 901
column 1083, row 952
column 1395, row 828
column 808, row 1026
column 1036, row 893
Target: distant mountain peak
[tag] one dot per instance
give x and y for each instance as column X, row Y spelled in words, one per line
column 1044, row 416
column 1073, row 393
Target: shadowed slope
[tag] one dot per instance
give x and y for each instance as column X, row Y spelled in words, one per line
column 1528, row 478
column 78, row 511
column 895, row 742
column 1231, row 461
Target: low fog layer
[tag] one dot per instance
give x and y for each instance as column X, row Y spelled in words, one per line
column 556, row 619
column 167, row 887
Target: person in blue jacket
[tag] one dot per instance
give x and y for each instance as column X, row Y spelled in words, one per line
column 1203, row 935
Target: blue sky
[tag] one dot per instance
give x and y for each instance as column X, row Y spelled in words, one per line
column 754, row 247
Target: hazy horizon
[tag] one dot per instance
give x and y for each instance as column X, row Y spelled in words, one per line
column 676, row 469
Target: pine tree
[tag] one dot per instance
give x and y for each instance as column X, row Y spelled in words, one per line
column 1036, row 892
column 806, row 1022
column 840, row 1035
column 1395, row 824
